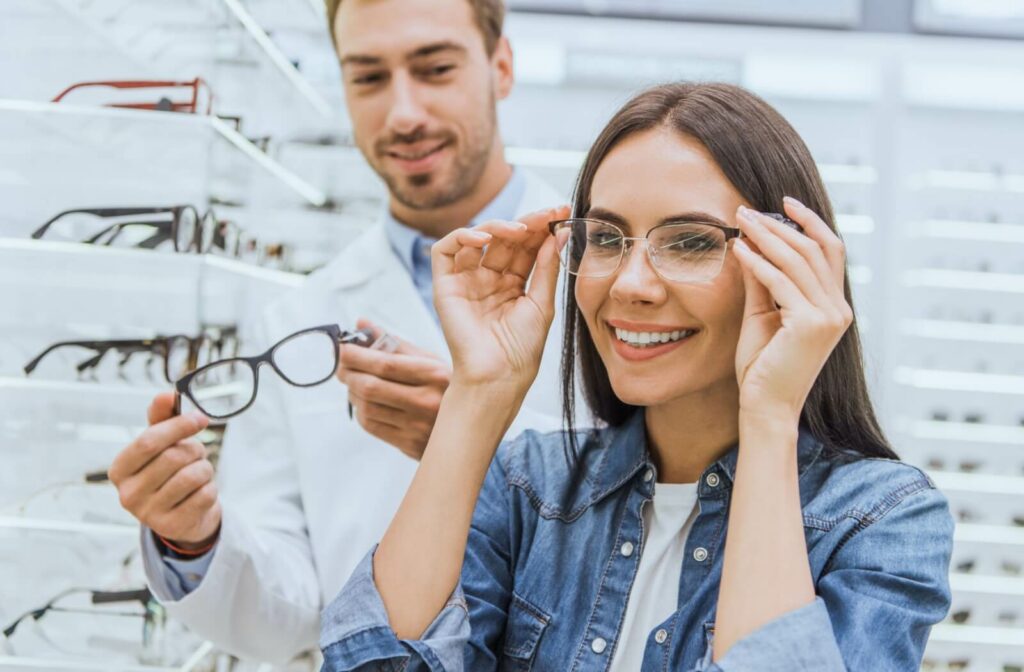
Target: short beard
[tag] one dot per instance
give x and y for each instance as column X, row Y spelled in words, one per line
column 468, row 169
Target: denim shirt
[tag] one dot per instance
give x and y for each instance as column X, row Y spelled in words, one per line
column 547, row 571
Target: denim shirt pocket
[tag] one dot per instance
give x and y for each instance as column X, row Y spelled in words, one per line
column 523, row 630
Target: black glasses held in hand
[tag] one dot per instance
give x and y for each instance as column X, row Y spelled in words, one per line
column 681, row 251
column 225, row 388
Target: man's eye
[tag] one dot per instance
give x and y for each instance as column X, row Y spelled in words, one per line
column 370, row 78
column 438, row 70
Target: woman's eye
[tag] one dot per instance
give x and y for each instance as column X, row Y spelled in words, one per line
column 691, row 243
column 603, row 239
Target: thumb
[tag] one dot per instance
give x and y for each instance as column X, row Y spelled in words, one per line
column 162, row 408
column 758, row 299
column 544, row 280
column 404, row 346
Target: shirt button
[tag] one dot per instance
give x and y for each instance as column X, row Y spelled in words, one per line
column 627, row 549
column 712, row 480
column 598, row 645
column 648, row 475
column 700, row 554
column 194, row 578
column 660, row 636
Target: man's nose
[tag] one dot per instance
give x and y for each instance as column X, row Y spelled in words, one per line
column 407, row 113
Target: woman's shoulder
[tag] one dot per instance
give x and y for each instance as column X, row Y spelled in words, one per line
column 843, row 484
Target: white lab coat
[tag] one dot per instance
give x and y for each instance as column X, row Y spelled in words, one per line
column 306, row 491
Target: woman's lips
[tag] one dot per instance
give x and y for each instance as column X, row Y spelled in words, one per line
column 634, row 354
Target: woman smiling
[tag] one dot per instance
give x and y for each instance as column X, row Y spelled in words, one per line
column 737, row 507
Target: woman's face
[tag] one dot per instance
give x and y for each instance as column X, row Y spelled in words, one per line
column 650, row 177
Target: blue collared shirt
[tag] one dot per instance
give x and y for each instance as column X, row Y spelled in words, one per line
column 413, row 248
column 546, row 578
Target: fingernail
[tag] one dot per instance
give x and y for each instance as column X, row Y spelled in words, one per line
column 740, row 245
column 792, row 201
column 198, row 416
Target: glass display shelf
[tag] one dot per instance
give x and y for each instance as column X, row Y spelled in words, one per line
column 218, row 40
column 72, row 156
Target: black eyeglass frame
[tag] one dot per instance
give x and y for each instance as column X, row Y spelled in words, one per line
column 142, row 596
column 627, row 241
column 183, row 387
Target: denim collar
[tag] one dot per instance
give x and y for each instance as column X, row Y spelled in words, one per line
column 624, row 453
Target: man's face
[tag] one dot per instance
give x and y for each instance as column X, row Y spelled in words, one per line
column 421, row 92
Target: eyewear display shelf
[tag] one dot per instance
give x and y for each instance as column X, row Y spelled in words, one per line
column 61, row 525
column 957, row 310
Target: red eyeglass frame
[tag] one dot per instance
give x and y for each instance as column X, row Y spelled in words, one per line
column 191, row 106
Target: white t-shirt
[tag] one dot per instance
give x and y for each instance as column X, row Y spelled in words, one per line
column 654, row 595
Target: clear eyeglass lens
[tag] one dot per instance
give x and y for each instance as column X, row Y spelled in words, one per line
column 177, row 358
column 186, row 235
column 592, row 248
column 224, row 388
column 208, row 231
column 307, row 358
column 688, row 252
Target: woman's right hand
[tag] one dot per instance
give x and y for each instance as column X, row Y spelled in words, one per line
column 495, row 325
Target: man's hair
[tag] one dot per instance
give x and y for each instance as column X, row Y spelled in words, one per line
column 489, row 16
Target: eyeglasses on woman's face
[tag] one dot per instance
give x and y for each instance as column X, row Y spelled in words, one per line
column 690, row 251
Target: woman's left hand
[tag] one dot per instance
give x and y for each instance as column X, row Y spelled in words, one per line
column 795, row 311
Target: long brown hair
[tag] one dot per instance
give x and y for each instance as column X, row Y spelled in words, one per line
column 764, row 159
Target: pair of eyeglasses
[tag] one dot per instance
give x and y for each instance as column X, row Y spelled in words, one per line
column 197, row 91
column 225, row 388
column 142, row 596
column 685, row 251
column 1007, row 567
column 179, row 354
column 149, row 228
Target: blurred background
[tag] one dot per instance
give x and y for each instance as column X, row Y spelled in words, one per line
column 913, row 109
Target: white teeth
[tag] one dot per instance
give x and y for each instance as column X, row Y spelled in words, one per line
column 641, row 339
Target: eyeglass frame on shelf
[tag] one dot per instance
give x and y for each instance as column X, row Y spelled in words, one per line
column 625, row 247
column 191, row 106
column 206, row 237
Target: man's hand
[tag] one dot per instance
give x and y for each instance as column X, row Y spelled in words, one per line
column 395, row 394
column 165, row 480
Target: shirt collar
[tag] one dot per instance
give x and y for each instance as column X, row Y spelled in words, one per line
column 405, row 240
column 624, row 453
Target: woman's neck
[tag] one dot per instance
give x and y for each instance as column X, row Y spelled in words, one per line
column 687, row 434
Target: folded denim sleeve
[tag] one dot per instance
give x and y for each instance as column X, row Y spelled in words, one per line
column 171, row 579
column 878, row 597
column 355, row 634
column 800, row 640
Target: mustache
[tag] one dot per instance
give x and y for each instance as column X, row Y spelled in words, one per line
column 419, row 135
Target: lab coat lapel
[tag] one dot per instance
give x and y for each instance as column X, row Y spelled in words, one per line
column 372, row 283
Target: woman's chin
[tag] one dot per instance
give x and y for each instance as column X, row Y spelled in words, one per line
column 636, row 394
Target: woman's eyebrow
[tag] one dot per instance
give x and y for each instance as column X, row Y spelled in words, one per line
column 685, row 217
column 694, row 216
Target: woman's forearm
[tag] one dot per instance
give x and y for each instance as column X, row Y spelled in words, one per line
column 419, row 560
column 765, row 571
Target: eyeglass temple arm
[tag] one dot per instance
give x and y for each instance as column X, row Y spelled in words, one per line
column 138, row 84
column 91, row 345
column 99, row 212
